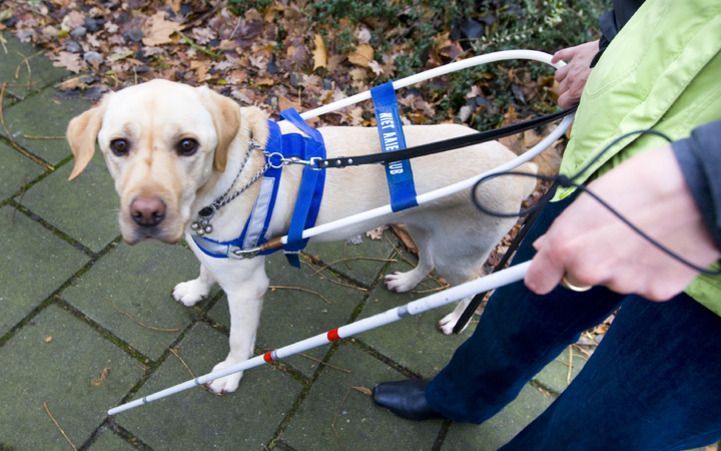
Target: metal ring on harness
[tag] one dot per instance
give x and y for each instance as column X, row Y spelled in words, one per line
column 281, row 161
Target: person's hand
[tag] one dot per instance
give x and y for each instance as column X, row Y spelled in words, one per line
column 590, row 246
column 572, row 77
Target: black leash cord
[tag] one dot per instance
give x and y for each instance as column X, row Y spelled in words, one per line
column 567, row 182
column 441, row 146
column 517, row 240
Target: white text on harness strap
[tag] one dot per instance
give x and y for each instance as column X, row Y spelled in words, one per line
column 390, row 141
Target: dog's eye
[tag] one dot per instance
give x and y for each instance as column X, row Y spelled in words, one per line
column 186, row 147
column 120, row 147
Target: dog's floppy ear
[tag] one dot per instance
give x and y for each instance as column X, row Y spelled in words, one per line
column 82, row 133
column 226, row 118
column 254, row 123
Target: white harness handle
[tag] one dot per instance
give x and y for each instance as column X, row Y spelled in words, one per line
column 430, row 196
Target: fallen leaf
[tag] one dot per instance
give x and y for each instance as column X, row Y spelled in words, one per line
column 376, row 67
column 72, row 83
column 377, row 233
column 361, row 389
column 363, row 35
column 402, row 233
column 203, row 35
column 362, row 56
column 72, row 20
column 48, row 339
column 284, row 103
column 264, row 81
column 175, row 4
column 70, row 61
column 98, row 381
column 200, row 68
column 320, row 53
column 158, row 30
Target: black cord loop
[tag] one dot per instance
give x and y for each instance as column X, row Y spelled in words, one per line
column 570, row 182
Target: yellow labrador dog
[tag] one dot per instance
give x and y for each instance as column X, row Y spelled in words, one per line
column 172, row 149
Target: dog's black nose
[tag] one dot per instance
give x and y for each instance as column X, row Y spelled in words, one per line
column 147, row 211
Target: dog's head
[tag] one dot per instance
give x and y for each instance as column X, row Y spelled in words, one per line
column 161, row 141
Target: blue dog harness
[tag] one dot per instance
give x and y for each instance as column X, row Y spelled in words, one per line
column 283, row 148
column 279, row 148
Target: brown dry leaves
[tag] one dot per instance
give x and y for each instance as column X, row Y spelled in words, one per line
column 158, row 30
column 275, row 57
column 69, row 61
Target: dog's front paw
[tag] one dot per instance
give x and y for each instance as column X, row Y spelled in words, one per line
column 448, row 322
column 191, row 292
column 400, row 282
column 227, row 384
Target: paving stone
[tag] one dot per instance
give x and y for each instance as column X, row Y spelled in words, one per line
column 108, row 441
column 196, row 419
column 84, row 208
column 336, row 416
column 34, row 263
column 44, row 115
column 361, row 262
column 556, row 375
column 290, row 315
column 14, row 71
column 15, row 171
column 414, row 342
column 60, row 360
column 128, row 292
column 498, row 430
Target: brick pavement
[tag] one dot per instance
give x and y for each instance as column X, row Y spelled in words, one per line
column 88, row 322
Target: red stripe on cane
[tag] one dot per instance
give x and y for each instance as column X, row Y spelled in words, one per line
column 268, row 357
column 333, row 335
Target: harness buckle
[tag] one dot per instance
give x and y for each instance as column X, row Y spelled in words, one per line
column 314, row 163
column 242, row 254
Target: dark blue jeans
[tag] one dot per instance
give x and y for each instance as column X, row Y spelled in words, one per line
column 654, row 382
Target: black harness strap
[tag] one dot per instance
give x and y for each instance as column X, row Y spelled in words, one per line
column 441, row 146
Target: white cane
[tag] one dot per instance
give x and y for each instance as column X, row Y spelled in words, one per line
column 490, row 282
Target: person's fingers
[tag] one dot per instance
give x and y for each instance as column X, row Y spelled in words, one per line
column 566, row 100
column 563, row 54
column 544, row 273
column 561, row 73
column 539, row 243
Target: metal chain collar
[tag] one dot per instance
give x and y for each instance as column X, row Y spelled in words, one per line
column 275, row 160
column 202, row 225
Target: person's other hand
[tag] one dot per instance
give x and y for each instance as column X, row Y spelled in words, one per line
column 572, row 77
column 590, row 246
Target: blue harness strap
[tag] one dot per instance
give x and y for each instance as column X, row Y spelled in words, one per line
column 390, row 130
column 256, row 227
column 310, row 193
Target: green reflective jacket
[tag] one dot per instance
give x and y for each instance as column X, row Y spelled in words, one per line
column 662, row 71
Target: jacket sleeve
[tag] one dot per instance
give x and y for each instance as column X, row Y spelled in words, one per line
column 612, row 21
column 699, row 157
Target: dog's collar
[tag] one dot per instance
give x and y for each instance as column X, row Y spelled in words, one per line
column 280, row 150
column 202, row 225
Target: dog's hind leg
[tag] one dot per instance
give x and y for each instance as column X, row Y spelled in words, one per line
column 401, row 282
column 193, row 291
column 457, row 270
column 448, row 322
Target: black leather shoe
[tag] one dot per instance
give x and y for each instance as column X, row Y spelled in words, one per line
column 406, row 399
